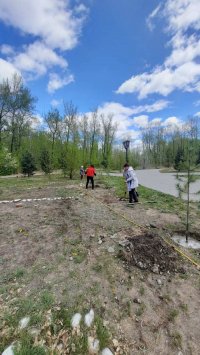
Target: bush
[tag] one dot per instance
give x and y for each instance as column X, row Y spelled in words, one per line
column 45, row 162
column 8, row 164
column 28, row 164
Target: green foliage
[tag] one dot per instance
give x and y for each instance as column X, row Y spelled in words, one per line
column 179, row 158
column 63, row 162
column 8, row 164
column 185, row 180
column 45, row 161
column 28, row 164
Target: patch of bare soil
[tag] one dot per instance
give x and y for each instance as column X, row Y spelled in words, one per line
column 68, row 249
column 149, row 252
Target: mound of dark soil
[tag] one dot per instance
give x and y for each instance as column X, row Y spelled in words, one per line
column 149, row 252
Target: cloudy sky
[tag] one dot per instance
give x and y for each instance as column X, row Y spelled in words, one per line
column 137, row 59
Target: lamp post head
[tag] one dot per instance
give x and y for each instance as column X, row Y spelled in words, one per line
column 126, row 144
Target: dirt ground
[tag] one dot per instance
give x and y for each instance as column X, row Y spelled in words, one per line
column 87, row 256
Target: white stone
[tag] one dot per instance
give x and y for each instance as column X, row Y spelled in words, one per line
column 75, row 321
column 89, row 317
column 111, row 250
column 9, row 350
column 106, row 351
column 24, row 322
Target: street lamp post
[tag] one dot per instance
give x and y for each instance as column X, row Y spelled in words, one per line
column 126, row 146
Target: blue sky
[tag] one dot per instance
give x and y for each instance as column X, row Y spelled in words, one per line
column 137, row 59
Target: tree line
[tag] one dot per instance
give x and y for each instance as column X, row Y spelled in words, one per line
column 69, row 139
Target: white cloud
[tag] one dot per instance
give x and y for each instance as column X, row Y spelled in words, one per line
column 155, row 122
column 156, row 106
column 172, row 121
column 197, row 114
column 7, row 49
column 7, row 70
column 56, row 82
column 53, row 21
column 55, row 103
column 182, row 14
column 181, row 69
column 141, row 121
column 153, row 14
column 52, row 25
column 163, row 81
column 122, row 117
column 37, row 59
column 36, row 121
column 187, row 50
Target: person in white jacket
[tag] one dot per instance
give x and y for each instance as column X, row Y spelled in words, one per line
column 132, row 182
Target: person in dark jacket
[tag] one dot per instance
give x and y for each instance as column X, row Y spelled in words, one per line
column 90, row 173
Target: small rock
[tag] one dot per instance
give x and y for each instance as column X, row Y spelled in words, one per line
column 71, row 258
column 124, row 243
column 19, row 205
column 24, row 322
column 106, row 351
column 75, row 321
column 34, row 332
column 141, row 265
column 152, row 225
column 89, row 317
column 155, row 269
column 159, row 282
column 9, row 350
column 100, row 241
column 60, row 346
column 111, row 250
column 137, row 300
column 115, row 343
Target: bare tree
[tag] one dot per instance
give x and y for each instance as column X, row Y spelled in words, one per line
column 4, row 99
column 94, row 128
column 70, row 120
column 53, row 120
column 108, row 131
column 85, row 136
column 20, row 105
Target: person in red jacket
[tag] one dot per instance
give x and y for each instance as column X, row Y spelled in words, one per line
column 90, row 172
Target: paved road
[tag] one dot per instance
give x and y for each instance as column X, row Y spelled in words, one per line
column 163, row 182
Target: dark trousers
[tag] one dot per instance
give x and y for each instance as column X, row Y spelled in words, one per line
column 133, row 195
column 90, row 178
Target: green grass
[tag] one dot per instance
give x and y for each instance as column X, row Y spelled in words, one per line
column 176, row 339
column 149, row 197
column 139, row 312
column 173, row 313
column 102, row 333
column 26, row 347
